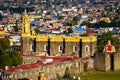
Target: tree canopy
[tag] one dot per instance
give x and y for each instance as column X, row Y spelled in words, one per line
column 16, row 27
column 4, row 44
column 70, row 30
column 67, row 73
column 14, row 55
column 5, row 60
column 113, row 23
column 102, row 40
column 8, row 57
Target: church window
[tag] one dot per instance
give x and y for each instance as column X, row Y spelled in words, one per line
column 77, row 64
column 45, row 47
column 31, row 47
column 60, row 48
column 74, row 48
column 87, row 49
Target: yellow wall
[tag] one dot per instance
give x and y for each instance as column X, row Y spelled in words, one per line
column 67, row 39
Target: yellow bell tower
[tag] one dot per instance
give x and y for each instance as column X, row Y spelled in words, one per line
column 25, row 25
column 26, row 33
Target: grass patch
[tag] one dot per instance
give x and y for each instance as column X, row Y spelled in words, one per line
column 97, row 75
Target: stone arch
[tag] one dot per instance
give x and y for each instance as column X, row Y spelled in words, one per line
column 31, row 47
column 45, row 47
column 87, row 48
column 59, row 48
column 74, row 48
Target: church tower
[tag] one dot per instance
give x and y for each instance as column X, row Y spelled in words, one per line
column 25, row 25
column 25, row 33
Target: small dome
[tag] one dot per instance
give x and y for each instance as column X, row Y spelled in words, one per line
column 109, row 48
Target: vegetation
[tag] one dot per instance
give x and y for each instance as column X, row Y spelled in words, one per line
column 85, row 66
column 18, row 9
column 14, row 55
column 8, row 57
column 75, row 18
column 60, row 17
column 16, row 27
column 95, row 75
column 103, row 40
column 37, row 31
column 4, row 44
column 68, row 23
column 114, row 23
column 5, row 60
column 69, row 31
column 67, row 73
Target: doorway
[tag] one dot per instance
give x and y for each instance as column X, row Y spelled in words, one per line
column 112, row 62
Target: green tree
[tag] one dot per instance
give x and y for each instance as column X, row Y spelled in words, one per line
column 102, row 24
column 9, row 57
column 37, row 31
column 16, row 27
column 14, row 55
column 85, row 66
column 91, row 25
column 75, row 18
column 5, row 60
column 60, row 17
column 70, row 30
column 102, row 40
column 67, row 73
column 68, row 23
column 74, row 23
column 64, row 32
column 4, row 44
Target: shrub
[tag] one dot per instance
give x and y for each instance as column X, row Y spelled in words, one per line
column 67, row 73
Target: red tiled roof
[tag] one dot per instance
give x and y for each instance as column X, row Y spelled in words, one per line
column 23, row 67
column 110, row 52
column 8, row 37
column 34, row 65
column 2, row 29
column 22, row 54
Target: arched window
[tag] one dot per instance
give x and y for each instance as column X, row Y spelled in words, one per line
column 31, row 47
column 74, row 48
column 60, row 48
column 45, row 47
column 87, row 49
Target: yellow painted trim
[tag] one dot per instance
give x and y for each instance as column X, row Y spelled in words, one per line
column 26, row 35
column 41, row 38
column 67, row 39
